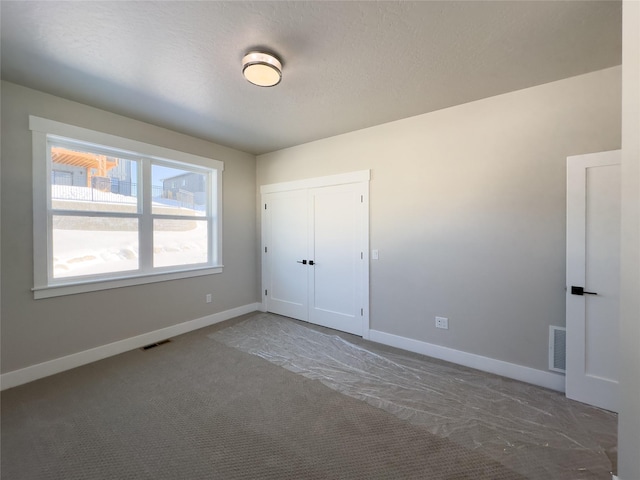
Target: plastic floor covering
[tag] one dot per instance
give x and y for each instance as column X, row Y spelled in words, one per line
column 536, row 432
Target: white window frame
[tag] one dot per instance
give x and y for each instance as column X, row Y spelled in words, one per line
column 45, row 285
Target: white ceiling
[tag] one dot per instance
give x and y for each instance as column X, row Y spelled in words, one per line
column 347, row 65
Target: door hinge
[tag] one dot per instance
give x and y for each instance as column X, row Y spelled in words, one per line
column 265, row 249
column 265, row 206
column 361, row 198
column 362, row 312
column 361, row 256
column 265, row 293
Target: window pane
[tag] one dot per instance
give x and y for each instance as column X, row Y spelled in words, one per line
column 82, row 180
column 179, row 242
column 178, row 191
column 94, row 245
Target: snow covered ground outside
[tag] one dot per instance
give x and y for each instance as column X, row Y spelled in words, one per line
column 87, row 250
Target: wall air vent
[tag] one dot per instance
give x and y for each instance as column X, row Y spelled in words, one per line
column 557, row 349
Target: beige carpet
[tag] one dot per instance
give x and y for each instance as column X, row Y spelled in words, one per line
column 536, row 432
column 197, row 409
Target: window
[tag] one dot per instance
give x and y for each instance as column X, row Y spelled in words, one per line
column 112, row 212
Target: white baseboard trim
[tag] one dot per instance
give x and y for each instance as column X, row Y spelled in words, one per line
column 613, row 477
column 57, row 365
column 541, row 378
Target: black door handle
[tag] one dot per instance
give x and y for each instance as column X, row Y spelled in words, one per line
column 304, row 262
column 311, row 262
column 580, row 291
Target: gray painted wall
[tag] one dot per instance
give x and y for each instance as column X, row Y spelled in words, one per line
column 468, row 211
column 35, row 331
column 629, row 419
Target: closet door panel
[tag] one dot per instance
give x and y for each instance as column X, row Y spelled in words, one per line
column 336, row 250
column 287, row 246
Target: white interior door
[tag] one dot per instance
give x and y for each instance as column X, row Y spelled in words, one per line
column 285, row 233
column 336, row 246
column 315, row 243
column 593, row 278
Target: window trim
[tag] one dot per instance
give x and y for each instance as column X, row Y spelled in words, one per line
column 41, row 128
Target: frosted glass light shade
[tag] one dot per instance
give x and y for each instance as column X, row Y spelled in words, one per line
column 262, row 69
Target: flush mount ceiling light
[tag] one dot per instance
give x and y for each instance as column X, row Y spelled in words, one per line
column 262, row 69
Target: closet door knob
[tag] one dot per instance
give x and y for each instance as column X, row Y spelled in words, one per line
column 580, row 291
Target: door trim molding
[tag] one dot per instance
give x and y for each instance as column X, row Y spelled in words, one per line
column 331, row 180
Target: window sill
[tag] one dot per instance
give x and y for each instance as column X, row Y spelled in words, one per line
column 83, row 287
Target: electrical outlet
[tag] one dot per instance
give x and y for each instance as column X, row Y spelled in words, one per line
column 442, row 322
column 208, row 298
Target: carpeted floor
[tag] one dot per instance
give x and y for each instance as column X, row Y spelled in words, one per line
column 536, row 432
column 198, row 409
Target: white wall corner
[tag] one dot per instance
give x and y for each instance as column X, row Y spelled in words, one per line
column 57, row 365
column 533, row 376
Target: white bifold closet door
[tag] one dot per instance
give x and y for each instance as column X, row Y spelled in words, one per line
column 315, row 262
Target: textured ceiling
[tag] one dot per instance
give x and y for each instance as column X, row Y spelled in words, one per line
column 347, row 65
